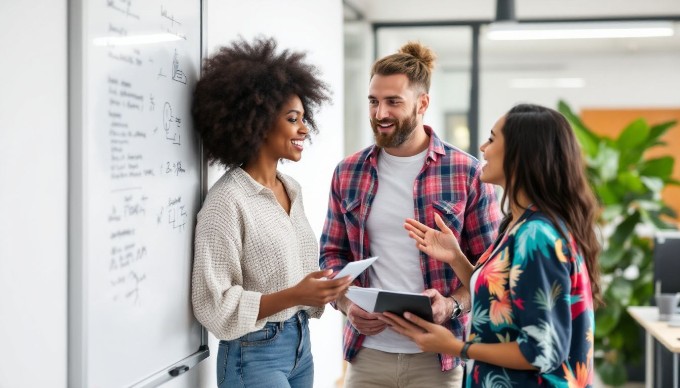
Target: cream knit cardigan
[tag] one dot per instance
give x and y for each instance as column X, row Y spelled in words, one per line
column 246, row 246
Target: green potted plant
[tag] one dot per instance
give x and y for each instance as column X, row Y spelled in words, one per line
column 628, row 186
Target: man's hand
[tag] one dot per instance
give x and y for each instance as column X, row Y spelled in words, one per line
column 442, row 307
column 364, row 322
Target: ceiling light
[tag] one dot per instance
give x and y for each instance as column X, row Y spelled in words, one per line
column 578, row 30
column 547, row 83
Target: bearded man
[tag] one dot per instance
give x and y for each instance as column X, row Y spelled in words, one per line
column 408, row 173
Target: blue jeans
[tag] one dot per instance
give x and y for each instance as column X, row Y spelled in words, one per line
column 279, row 355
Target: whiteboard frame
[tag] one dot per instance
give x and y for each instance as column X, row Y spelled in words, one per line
column 77, row 357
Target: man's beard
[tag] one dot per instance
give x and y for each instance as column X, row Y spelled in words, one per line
column 402, row 130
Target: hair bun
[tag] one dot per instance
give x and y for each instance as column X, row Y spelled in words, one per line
column 420, row 52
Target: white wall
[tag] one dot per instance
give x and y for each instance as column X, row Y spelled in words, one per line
column 314, row 26
column 33, row 166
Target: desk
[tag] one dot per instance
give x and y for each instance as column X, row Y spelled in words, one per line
column 648, row 318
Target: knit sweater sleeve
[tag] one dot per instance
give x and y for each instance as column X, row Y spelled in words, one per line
column 220, row 302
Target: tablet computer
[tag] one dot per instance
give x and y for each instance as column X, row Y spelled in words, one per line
column 400, row 302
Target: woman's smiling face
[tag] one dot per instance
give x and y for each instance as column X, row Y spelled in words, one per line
column 493, row 151
column 286, row 139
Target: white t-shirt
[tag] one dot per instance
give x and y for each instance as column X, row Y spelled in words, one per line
column 398, row 267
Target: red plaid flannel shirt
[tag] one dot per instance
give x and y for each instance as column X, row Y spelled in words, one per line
column 448, row 184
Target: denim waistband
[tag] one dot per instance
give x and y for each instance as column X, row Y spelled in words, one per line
column 300, row 317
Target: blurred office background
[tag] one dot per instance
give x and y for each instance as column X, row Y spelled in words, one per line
column 608, row 81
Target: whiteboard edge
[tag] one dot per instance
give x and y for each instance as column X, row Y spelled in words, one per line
column 164, row 376
column 76, row 336
column 204, row 162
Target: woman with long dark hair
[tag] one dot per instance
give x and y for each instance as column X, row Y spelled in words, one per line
column 534, row 290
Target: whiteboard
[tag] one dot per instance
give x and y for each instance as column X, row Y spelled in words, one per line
column 134, row 190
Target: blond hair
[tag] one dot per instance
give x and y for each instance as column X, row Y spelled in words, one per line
column 413, row 60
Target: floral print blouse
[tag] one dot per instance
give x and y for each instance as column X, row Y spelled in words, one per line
column 532, row 287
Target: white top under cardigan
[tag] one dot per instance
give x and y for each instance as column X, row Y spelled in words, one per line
column 246, row 246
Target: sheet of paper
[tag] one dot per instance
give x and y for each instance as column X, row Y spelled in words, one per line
column 355, row 268
column 363, row 297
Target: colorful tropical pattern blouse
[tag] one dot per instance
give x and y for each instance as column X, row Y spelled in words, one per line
column 532, row 287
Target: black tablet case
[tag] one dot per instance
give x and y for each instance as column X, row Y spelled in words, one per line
column 398, row 303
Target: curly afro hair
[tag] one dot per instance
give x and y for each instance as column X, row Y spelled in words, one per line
column 241, row 91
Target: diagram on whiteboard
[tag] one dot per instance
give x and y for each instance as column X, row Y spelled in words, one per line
column 171, row 124
column 177, row 74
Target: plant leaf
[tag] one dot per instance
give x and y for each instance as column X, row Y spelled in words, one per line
column 630, row 329
column 644, row 287
column 656, row 131
column 667, row 211
column 621, row 290
column 612, row 211
column 606, row 318
column 635, row 255
column 659, row 167
column 606, row 162
column 613, row 373
column 631, row 181
column 650, row 205
column 625, row 229
column 610, row 257
column 606, row 195
column 633, row 135
column 653, row 184
column 654, row 219
column 587, row 139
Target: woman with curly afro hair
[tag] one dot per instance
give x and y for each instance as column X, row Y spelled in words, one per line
column 256, row 279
